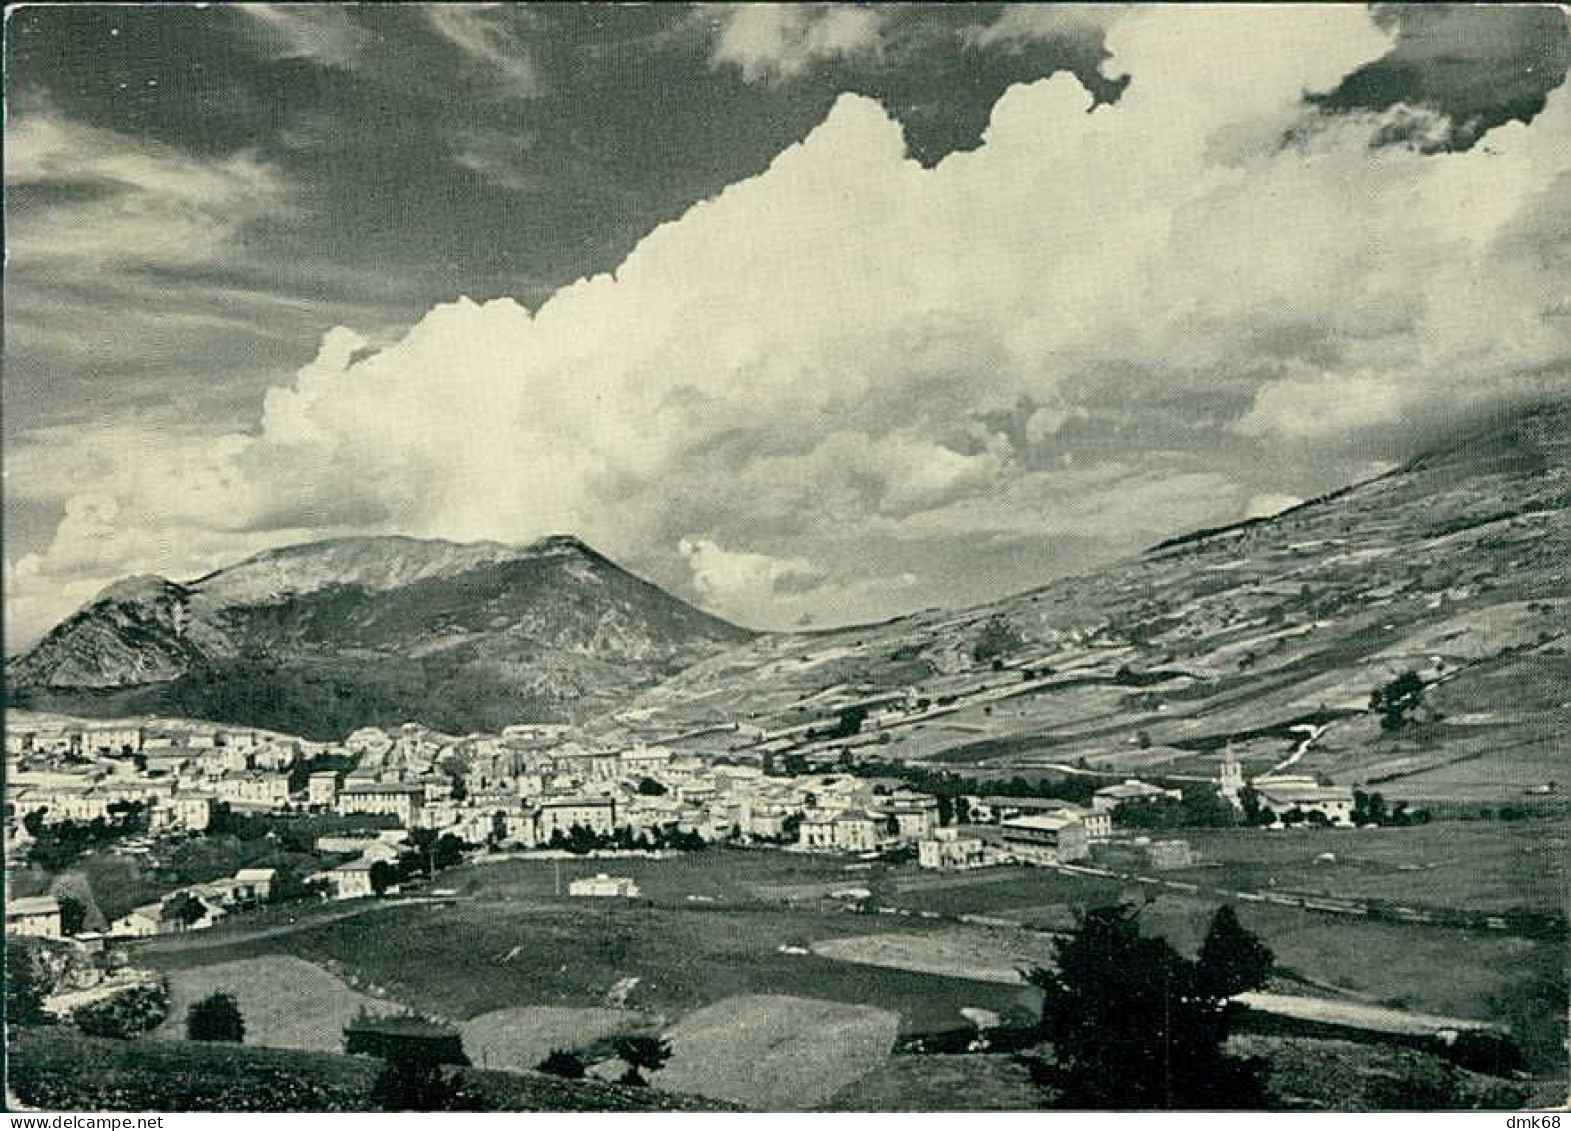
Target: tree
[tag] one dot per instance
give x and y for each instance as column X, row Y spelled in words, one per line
column 412, row 1083
column 1133, row 1027
column 383, row 876
column 641, row 1054
column 449, row 851
column 997, row 638
column 568, row 1065
column 73, row 915
column 1232, row 959
column 1370, row 809
column 1395, row 702
column 26, row 986
column 648, row 787
column 34, row 822
column 215, row 1018
column 125, row 1014
column 183, row 908
column 849, row 723
column 290, row 886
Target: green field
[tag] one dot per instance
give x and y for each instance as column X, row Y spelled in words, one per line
column 286, row 1003
column 508, row 943
column 1470, row 865
column 1513, row 981
column 464, row 960
column 1014, row 892
column 718, row 875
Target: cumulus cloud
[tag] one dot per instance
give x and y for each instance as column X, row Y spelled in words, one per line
column 729, row 577
column 771, row 42
column 1026, row 23
column 830, row 350
column 764, row 591
column 1263, row 506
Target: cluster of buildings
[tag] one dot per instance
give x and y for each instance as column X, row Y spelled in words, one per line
column 84, row 774
column 198, row 906
column 1022, row 830
column 530, row 786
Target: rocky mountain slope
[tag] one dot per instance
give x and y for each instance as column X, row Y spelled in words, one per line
column 320, row 638
column 1270, row 634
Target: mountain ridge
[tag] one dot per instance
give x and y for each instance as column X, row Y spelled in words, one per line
column 1453, row 564
column 385, row 627
column 1459, row 553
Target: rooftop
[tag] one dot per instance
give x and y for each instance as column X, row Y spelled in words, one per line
column 32, row 905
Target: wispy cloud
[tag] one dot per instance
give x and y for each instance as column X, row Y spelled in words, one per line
column 500, row 157
column 488, row 36
column 321, row 32
column 104, row 200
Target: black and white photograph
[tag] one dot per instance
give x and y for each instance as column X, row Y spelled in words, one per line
column 786, row 557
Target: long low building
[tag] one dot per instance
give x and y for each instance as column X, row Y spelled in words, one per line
column 399, row 799
column 604, row 886
column 35, row 916
column 1304, row 795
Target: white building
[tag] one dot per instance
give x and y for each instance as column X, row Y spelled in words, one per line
column 190, row 811
column 140, row 922
column 254, row 885
column 36, row 916
column 1098, row 822
column 603, row 885
column 949, row 849
column 1304, row 795
column 236, row 787
column 113, row 740
column 70, row 803
column 400, row 799
column 1045, row 839
column 322, row 789
column 1131, row 791
column 351, row 880
column 857, row 830
column 597, row 814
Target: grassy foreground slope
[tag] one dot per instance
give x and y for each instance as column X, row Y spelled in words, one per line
column 58, row 1069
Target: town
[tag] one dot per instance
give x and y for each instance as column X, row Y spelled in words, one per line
column 544, row 789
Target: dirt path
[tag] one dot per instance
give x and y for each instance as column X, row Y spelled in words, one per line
column 211, row 940
column 1311, row 733
column 1371, row 1018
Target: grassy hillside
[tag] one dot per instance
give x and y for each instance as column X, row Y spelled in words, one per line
column 58, row 1069
column 1454, row 566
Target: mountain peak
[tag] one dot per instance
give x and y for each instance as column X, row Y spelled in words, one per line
column 322, row 637
column 140, row 588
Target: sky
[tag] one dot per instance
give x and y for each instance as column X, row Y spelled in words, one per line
column 812, row 314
